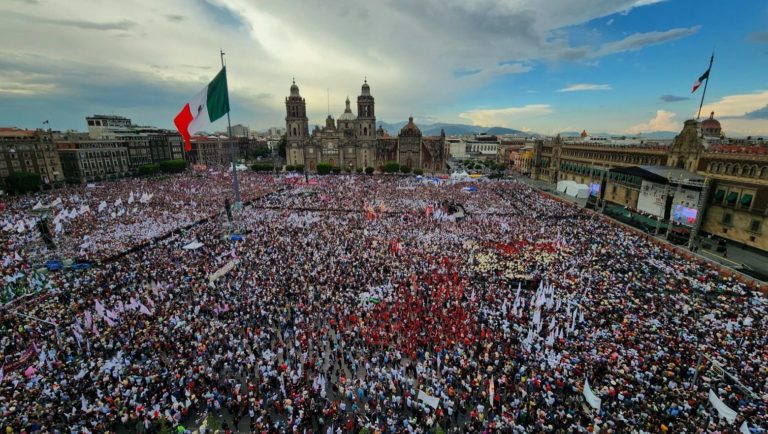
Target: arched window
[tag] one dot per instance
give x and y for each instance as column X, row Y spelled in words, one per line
column 294, row 131
column 764, row 172
column 753, row 171
column 730, row 169
column 365, row 131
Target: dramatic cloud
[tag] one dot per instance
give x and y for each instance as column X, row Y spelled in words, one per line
column 418, row 56
column 664, row 121
column 509, row 116
column 673, row 98
column 585, row 87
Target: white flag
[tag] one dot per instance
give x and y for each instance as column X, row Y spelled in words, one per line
column 591, row 398
column 744, row 428
column 102, row 206
column 723, row 410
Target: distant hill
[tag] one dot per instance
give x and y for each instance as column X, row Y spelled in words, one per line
column 450, row 129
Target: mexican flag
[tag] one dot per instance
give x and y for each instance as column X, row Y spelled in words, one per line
column 701, row 79
column 704, row 76
column 206, row 107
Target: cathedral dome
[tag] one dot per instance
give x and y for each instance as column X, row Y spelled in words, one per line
column 711, row 123
column 410, row 129
column 347, row 115
column 366, row 90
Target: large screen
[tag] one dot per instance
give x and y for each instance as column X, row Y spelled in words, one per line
column 684, row 215
column 594, row 189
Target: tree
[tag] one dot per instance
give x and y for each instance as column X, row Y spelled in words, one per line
column 323, row 168
column 369, row 170
column 391, row 167
column 149, row 169
column 262, row 167
column 405, row 169
column 299, row 168
column 290, row 168
column 173, row 166
column 282, row 144
column 359, row 170
column 23, row 182
column 418, row 171
column 336, row 170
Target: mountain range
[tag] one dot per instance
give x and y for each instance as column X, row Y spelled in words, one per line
column 652, row 135
column 450, row 129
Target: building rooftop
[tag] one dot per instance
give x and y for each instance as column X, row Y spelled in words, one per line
column 659, row 174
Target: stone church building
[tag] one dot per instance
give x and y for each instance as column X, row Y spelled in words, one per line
column 352, row 141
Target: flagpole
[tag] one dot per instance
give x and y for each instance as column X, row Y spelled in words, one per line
column 709, row 72
column 235, row 184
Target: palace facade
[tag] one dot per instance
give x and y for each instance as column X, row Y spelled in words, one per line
column 734, row 202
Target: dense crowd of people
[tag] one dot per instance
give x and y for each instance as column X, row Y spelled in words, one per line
column 355, row 303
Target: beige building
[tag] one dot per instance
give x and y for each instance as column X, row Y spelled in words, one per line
column 734, row 203
column 29, row 151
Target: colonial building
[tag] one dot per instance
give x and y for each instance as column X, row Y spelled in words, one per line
column 93, row 160
column 29, row 151
column 352, row 141
column 734, row 190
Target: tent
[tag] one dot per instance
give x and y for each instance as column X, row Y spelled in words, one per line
column 579, row 191
column 459, row 175
column 563, row 185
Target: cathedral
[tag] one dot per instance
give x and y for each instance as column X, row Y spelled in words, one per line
column 352, row 141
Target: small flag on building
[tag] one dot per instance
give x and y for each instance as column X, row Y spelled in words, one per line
column 206, row 107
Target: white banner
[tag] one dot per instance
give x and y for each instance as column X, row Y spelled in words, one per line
column 428, row 399
column 223, row 270
column 591, row 398
column 725, row 412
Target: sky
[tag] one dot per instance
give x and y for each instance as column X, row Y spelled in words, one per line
column 615, row 66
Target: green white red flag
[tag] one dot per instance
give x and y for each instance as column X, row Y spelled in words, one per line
column 210, row 104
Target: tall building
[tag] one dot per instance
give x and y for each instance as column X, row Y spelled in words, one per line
column 352, row 141
column 29, row 151
column 733, row 204
column 239, row 131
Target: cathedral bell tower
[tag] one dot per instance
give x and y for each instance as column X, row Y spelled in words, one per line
column 296, row 122
column 366, row 118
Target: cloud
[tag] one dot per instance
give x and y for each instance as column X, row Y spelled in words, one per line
column 609, row 22
column 759, row 37
column 79, row 24
column 673, row 98
column 664, row 121
column 505, row 116
column 585, row 87
column 637, row 41
column 739, row 105
column 757, row 114
column 323, row 44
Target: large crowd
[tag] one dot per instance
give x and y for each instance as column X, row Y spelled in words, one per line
column 352, row 303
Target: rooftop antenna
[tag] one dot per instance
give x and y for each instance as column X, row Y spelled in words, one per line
column 328, row 98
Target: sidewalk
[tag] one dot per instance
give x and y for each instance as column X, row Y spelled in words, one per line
column 751, row 263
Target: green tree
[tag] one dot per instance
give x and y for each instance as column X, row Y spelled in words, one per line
column 149, row 169
column 369, row 170
column 323, row 168
column 336, row 170
column 391, row 167
column 405, row 169
column 290, row 168
column 299, row 168
column 282, row 145
column 359, row 170
column 23, row 182
column 418, row 171
column 173, row 166
column 262, row 167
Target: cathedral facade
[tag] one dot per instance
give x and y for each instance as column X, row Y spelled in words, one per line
column 353, row 142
